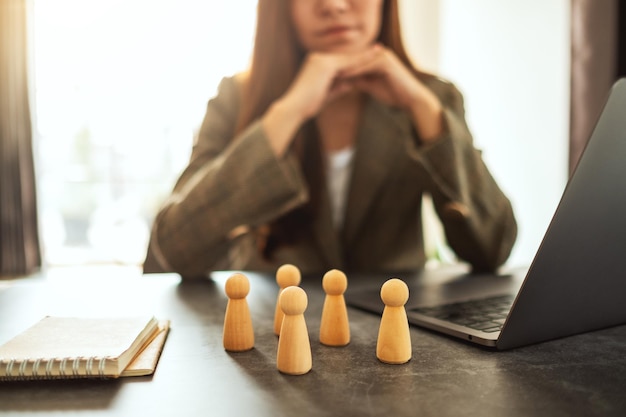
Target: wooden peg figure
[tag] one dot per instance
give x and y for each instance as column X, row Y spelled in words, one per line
column 335, row 327
column 287, row 275
column 238, row 331
column 394, row 338
column 293, row 356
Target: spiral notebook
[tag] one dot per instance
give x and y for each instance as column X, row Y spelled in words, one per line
column 78, row 347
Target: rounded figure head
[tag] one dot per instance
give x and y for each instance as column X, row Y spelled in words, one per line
column 237, row 286
column 293, row 301
column 288, row 275
column 335, row 282
column 394, row 293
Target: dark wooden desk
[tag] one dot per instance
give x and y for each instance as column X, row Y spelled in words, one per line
column 583, row 375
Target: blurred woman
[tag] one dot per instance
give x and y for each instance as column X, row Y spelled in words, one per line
column 319, row 155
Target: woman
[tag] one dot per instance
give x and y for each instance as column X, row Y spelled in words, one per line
column 319, row 156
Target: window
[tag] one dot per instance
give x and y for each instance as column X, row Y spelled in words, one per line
column 119, row 88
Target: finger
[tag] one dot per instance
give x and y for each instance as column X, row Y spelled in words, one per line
column 371, row 60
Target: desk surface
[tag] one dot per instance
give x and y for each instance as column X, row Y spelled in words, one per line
column 579, row 375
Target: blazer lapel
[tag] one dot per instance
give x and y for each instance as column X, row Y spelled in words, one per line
column 380, row 142
column 325, row 234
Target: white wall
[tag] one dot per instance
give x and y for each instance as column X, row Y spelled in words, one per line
column 510, row 59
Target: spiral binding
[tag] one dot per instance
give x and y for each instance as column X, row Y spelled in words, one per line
column 94, row 367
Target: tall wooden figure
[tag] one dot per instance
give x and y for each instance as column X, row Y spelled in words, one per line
column 238, row 331
column 294, row 347
column 287, row 275
column 334, row 327
column 394, row 338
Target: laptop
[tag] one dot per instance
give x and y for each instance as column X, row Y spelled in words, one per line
column 576, row 282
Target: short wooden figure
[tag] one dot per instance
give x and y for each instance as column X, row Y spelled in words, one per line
column 238, row 331
column 293, row 356
column 394, row 338
column 286, row 275
column 335, row 327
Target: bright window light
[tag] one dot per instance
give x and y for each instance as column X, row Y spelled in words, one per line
column 120, row 87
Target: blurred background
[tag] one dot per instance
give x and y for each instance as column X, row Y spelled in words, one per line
column 118, row 88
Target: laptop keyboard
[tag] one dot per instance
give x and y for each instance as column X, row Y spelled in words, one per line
column 487, row 314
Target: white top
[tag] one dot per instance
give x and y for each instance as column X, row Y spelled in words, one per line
column 338, row 172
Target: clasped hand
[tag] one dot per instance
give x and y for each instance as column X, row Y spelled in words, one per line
column 376, row 71
column 323, row 77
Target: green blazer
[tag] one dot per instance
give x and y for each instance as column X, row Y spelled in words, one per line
column 233, row 185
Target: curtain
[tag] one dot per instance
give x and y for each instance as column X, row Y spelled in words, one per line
column 19, row 241
column 594, row 56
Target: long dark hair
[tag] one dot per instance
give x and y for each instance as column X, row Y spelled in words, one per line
column 276, row 59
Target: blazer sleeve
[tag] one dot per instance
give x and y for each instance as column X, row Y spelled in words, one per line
column 231, row 185
column 478, row 218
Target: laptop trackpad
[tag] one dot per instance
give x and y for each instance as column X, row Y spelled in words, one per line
column 463, row 288
column 438, row 287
